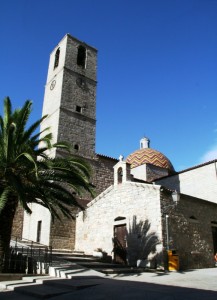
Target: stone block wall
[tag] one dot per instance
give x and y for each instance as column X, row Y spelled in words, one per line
column 71, row 57
column 62, row 233
column 95, row 226
column 154, row 172
column 17, row 224
column 78, row 90
column 103, row 172
column 190, row 230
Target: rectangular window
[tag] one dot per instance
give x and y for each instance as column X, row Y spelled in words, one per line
column 38, row 239
column 78, row 109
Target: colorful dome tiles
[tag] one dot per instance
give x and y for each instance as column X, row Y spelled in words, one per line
column 149, row 156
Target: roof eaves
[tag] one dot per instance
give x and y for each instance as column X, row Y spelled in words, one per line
column 105, row 156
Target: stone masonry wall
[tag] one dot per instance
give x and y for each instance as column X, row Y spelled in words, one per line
column 63, row 233
column 190, row 230
column 103, row 172
column 154, row 172
column 17, row 224
column 95, row 226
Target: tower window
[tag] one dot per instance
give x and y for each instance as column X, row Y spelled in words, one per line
column 78, row 109
column 57, row 56
column 81, row 58
column 76, row 147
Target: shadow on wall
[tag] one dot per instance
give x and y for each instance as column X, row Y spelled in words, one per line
column 141, row 243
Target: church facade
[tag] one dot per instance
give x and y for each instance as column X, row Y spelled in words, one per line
column 182, row 224
column 138, row 189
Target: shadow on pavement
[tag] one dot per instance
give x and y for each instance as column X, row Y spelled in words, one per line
column 95, row 288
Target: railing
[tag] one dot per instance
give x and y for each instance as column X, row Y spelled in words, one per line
column 33, row 259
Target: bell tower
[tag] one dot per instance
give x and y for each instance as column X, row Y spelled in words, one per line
column 70, row 95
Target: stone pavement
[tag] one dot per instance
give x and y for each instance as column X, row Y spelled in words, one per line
column 81, row 283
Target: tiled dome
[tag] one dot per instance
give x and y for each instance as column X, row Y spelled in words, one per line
column 147, row 155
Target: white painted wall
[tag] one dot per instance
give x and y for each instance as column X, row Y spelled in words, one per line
column 140, row 172
column 199, row 182
column 30, row 223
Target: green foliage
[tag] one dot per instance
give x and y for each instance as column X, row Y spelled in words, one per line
column 28, row 174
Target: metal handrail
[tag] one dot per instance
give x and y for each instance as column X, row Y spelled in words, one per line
column 28, row 259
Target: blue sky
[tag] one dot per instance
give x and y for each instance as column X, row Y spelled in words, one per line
column 157, row 68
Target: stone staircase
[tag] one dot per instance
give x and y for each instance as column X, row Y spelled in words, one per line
column 70, row 271
column 62, row 280
column 65, row 275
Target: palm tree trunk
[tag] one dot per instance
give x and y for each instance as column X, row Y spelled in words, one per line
column 6, row 218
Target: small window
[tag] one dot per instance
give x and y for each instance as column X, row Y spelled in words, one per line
column 38, row 238
column 78, row 109
column 76, row 147
column 214, row 224
column 193, row 219
column 120, row 175
column 119, row 218
column 57, row 56
column 81, row 82
column 81, row 58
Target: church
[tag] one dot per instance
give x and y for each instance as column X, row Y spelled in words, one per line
column 179, row 208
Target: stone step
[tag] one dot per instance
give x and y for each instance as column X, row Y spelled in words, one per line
column 74, row 284
column 52, row 288
column 44, row 287
column 65, row 251
column 9, row 285
column 41, row 291
column 71, row 270
column 25, row 280
column 73, row 259
column 34, row 278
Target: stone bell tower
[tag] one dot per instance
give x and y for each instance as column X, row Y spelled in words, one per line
column 70, row 103
column 70, row 95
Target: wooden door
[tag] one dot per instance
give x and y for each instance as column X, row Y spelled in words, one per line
column 120, row 245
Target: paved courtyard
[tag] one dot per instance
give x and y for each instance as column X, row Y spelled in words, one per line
column 90, row 285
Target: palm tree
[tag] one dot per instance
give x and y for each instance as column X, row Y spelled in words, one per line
column 29, row 175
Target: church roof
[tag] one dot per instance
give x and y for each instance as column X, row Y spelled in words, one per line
column 146, row 155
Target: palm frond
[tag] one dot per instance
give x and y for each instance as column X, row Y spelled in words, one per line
column 4, row 197
column 7, row 110
column 28, row 133
column 27, row 171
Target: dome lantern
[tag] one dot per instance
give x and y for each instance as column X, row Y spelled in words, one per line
column 144, row 143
